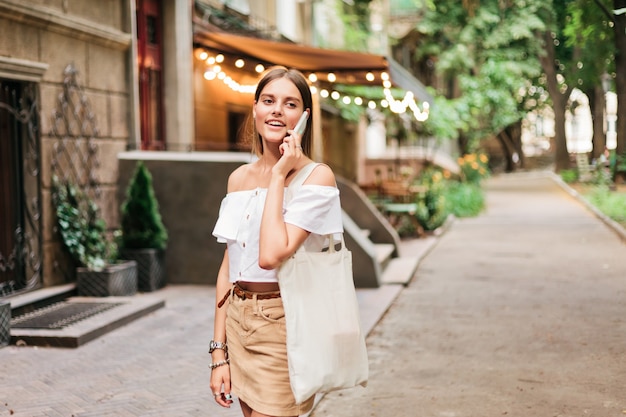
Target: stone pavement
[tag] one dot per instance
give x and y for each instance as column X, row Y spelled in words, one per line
column 519, row 311
column 154, row 366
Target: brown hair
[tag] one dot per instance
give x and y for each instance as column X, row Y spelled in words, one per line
column 301, row 84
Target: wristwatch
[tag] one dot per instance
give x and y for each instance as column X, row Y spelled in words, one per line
column 217, row 345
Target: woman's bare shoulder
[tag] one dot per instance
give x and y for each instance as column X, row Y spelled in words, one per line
column 237, row 178
column 321, row 175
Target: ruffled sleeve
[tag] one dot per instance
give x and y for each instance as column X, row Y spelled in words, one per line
column 315, row 208
column 231, row 211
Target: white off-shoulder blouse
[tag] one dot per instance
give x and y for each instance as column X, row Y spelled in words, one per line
column 314, row 208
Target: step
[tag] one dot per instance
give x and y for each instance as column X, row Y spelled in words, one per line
column 32, row 300
column 384, row 252
column 123, row 311
column 400, row 270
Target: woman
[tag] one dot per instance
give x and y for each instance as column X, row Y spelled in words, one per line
column 248, row 350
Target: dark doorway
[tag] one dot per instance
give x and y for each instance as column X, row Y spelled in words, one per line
column 20, row 208
column 150, row 50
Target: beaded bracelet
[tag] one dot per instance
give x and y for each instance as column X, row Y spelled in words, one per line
column 220, row 363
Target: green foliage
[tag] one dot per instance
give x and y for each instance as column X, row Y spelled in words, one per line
column 80, row 225
column 588, row 30
column 602, row 177
column 355, row 17
column 445, row 119
column 620, row 163
column 443, row 196
column 610, row 203
column 431, row 206
column 569, row 176
column 142, row 227
column 464, row 199
column 485, row 52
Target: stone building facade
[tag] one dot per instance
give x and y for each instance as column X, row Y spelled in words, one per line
column 67, row 80
column 74, row 77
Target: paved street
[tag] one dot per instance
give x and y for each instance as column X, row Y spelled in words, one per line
column 518, row 312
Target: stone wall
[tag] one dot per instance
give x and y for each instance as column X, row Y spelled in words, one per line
column 93, row 37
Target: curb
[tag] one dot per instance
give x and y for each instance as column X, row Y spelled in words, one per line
column 612, row 224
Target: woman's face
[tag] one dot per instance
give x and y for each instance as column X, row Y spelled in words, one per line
column 277, row 110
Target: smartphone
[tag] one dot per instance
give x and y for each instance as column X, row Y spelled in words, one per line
column 301, row 125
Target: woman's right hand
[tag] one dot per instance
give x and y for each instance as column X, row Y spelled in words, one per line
column 220, row 379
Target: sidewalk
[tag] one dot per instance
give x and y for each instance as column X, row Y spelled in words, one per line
column 518, row 312
column 154, row 366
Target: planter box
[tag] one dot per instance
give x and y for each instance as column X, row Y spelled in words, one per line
column 119, row 279
column 150, row 267
column 5, row 323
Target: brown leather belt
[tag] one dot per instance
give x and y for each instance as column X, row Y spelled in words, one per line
column 246, row 294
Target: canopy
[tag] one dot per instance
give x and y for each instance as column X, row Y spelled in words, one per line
column 311, row 59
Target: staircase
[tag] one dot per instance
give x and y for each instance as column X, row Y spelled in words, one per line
column 375, row 245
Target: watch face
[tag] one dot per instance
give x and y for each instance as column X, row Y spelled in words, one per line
column 215, row 345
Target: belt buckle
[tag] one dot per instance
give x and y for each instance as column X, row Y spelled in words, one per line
column 239, row 292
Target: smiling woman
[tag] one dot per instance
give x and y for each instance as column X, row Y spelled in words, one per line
column 261, row 229
column 278, row 103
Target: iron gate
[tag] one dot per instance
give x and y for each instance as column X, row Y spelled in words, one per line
column 20, row 188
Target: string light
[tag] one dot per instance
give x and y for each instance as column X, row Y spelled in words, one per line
column 407, row 103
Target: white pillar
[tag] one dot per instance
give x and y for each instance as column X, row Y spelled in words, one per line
column 375, row 135
column 178, row 75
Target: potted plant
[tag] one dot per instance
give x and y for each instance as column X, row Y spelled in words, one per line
column 143, row 236
column 99, row 273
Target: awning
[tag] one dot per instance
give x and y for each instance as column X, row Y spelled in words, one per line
column 311, row 59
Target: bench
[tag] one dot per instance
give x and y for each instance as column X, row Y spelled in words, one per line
column 401, row 191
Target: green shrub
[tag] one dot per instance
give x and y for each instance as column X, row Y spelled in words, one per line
column 82, row 230
column 142, row 227
column 611, row 203
column 464, row 199
column 569, row 176
column 431, row 205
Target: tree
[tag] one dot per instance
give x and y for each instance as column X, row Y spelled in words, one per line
column 619, row 26
column 485, row 52
column 142, row 226
column 588, row 29
column 557, row 66
column 617, row 17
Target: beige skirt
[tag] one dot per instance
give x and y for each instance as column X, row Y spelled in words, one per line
column 257, row 348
